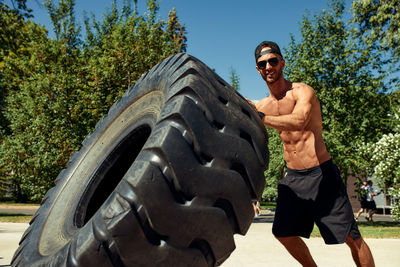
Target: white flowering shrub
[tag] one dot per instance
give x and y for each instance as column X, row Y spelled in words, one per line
column 395, row 193
column 384, row 161
column 387, row 157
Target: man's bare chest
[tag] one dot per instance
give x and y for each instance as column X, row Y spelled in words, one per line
column 279, row 107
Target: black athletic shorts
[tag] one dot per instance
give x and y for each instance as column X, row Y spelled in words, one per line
column 371, row 205
column 363, row 203
column 315, row 195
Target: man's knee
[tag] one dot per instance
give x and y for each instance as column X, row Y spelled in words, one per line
column 354, row 243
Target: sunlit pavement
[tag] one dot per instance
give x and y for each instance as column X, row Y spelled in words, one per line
column 260, row 248
column 257, row 248
column 10, row 234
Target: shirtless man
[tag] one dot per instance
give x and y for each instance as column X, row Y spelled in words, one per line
column 312, row 190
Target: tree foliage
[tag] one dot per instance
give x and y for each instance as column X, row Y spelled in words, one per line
column 12, row 42
column 379, row 22
column 276, row 166
column 378, row 25
column 11, row 39
column 234, row 79
column 65, row 85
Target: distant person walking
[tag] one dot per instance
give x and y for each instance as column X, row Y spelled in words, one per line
column 370, row 202
column 257, row 208
column 363, row 199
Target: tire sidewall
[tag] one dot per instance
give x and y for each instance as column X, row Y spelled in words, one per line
column 58, row 227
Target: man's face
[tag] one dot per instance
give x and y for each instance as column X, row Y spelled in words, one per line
column 265, row 66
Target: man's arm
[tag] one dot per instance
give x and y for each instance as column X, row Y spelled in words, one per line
column 371, row 191
column 300, row 116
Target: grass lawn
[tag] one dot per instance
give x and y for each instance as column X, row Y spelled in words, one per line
column 373, row 230
column 267, row 205
column 367, row 229
column 14, row 218
column 9, row 203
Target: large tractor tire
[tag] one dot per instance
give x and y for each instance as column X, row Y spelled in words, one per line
column 166, row 179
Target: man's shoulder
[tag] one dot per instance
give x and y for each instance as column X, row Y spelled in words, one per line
column 265, row 100
column 301, row 87
column 302, row 90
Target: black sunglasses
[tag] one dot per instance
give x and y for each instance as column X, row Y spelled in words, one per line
column 272, row 61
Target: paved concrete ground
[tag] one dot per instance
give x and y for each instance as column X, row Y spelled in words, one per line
column 10, row 234
column 257, row 248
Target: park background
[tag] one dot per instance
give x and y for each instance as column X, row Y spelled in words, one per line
column 61, row 69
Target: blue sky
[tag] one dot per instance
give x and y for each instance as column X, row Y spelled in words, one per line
column 222, row 33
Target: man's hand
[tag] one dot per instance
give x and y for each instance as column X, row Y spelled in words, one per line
column 262, row 115
column 251, row 104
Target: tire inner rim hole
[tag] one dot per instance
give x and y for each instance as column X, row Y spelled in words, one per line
column 110, row 173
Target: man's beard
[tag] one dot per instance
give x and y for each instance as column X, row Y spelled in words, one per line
column 278, row 75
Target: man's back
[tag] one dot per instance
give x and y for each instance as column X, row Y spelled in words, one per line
column 302, row 139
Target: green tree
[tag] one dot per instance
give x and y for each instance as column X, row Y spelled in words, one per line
column 13, row 40
column 41, row 111
column 379, row 22
column 19, row 8
column 331, row 59
column 12, row 37
column 378, row 26
column 67, row 84
column 234, row 79
column 276, row 165
column 124, row 46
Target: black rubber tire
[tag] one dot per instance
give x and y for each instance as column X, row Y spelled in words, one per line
column 166, row 179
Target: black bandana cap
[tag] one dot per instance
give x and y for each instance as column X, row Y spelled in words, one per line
column 275, row 51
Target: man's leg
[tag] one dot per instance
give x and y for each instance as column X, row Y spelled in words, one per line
column 359, row 213
column 368, row 212
column 360, row 251
column 371, row 213
column 298, row 249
